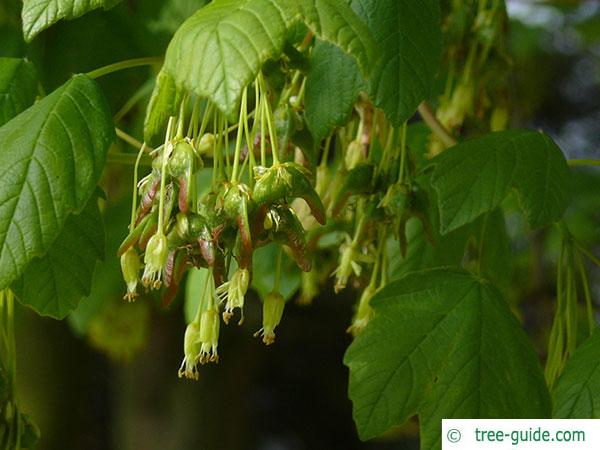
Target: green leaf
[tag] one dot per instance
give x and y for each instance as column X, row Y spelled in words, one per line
column 409, row 35
column 165, row 101
column 332, row 87
column 54, row 284
column 52, row 157
column 577, row 395
column 474, row 177
column 37, row 15
column 442, row 344
column 18, row 87
column 220, row 49
column 335, row 22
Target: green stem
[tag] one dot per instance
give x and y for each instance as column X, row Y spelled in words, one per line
column 181, row 118
column 583, row 162
column 278, row 265
column 250, row 143
column 240, row 134
column 589, row 254
column 587, row 294
column 207, row 113
column 163, row 175
column 571, row 304
column 122, row 65
column 481, row 242
column 133, row 100
column 270, row 121
column 402, row 153
column 192, row 130
column 135, row 183
column 128, row 138
column 128, row 159
column 226, row 139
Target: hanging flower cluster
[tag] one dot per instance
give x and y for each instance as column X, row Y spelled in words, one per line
column 263, row 191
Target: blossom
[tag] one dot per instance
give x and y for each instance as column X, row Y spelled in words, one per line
column 232, row 293
column 191, row 350
column 155, row 260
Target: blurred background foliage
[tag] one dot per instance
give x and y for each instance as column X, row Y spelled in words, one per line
column 106, row 378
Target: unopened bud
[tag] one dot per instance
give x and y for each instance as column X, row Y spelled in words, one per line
column 273, row 306
column 206, row 144
column 130, row 267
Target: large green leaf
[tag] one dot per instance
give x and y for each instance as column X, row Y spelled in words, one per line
column 37, row 15
column 442, row 344
column 18, row 87
column 51, row 160
column 410, row 38
column 332, row 87
column 577, row 393
column 54, row 284
column 474, row 177
column 335, row 22
column 220, row 49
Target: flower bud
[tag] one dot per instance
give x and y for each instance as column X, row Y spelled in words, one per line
column 206, row 144
column 347, row 266
column 364, row 312
column 309, row 287
column 182, row 160
column 155, row 260
column 130, row 267
column 191, row 349
column 273, row 305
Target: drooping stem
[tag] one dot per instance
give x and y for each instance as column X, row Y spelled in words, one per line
column 589, row 254
column 270, row 120
column 127, row 159
column 122, row 65
column 402, row 153
column 240, row 134
column 135, row 186
column 133, row 100
column 278, row 265
column 583, row 162
column 163, row 175
column 263, row 127
column 128, row 138
column 586, row 293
